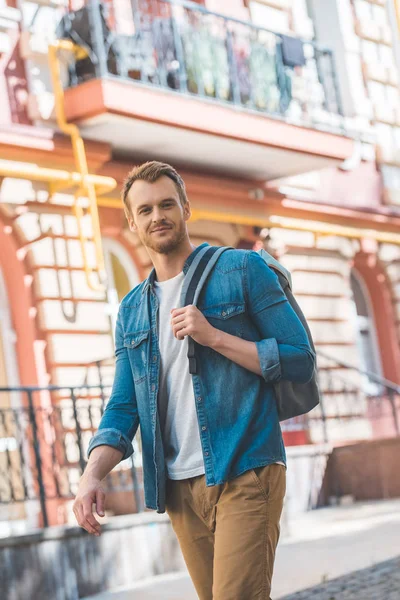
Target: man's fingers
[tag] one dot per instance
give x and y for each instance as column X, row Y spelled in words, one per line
column 89, row 519
column 100, row 502
column 178, row 319
column 175, row 312
column 82, row 522
column 183, row 333
column 178, row 329
column 178, row 311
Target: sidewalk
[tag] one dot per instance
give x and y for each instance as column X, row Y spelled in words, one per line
column 316, row 547
column 381, row 582
column 330, row 542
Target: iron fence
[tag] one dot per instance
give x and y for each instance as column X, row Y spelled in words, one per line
column 185, row 48
column 45, row 431
column 44, row 435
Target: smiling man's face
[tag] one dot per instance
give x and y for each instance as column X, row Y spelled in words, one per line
column 157, row 214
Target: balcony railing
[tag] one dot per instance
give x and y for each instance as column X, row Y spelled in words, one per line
column 182, row 47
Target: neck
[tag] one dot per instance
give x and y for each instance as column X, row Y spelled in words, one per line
column 171, row 264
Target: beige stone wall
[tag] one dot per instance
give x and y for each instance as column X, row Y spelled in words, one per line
column 321, row 283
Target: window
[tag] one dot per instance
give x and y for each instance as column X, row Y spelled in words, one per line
column 366, row 335
column 122, row 275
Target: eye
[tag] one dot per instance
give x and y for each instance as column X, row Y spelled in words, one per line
column 144, row 211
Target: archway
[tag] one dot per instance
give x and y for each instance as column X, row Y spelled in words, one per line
column 379, row 348
column 379, row 294
column 365, row 332
column 122, row 275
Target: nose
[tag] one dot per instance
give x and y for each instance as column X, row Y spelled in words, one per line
column 158, row 214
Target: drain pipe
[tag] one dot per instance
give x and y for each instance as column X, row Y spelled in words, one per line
column 87, row 187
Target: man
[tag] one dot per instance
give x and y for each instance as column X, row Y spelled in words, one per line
column 213, row 455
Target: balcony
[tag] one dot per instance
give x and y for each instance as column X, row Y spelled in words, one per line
column 169, row 79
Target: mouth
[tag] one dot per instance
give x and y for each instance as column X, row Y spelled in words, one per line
column 160, row 229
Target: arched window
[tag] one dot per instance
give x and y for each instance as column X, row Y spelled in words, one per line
column 367, row 340
column 122, row 275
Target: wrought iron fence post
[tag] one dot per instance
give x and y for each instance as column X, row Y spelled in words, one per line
column 136, row 488
column 336, row 85
column 323, row 414
column 179, row 52
column 233, row 71
column 38, row 459
column 392, row 400
column 101, row 385
column 96, row 25
column 82, row 461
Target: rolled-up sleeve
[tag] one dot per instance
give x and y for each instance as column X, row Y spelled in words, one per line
column 120, row 419
column 284, row 350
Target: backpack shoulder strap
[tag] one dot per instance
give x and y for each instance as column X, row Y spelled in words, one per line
column 194, row 281
column 276, row 266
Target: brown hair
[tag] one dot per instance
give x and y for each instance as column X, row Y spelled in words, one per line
column 151, row 172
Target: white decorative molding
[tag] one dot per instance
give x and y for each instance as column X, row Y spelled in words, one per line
column 33, row 45
column 376, row 72
column 9, row 18
column 388, row 155
column 50, row 3
column 391, row 196
column 279, row 4
column 371, row 31
column 41, row 107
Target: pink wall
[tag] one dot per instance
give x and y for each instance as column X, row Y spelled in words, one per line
column 361, row 187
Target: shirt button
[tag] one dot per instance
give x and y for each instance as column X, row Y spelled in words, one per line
column 155, row 358
column 223, row 313
column 206, row 453
column 203, row 428
column 153, row 387
column 199, row 398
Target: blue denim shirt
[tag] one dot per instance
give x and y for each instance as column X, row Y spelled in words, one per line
column 238, row 421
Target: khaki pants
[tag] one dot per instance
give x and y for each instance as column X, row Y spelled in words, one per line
column 228, row 533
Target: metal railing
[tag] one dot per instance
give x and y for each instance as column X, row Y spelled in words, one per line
column 44, row 435
column 355, row 404
column 183, row 47
column 45, row 431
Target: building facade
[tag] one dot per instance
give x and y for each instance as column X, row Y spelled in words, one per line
column 284, row 119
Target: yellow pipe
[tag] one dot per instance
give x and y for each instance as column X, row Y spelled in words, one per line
column 60, row 178
column 279, row 222
column 80, row 160
column 297, row 224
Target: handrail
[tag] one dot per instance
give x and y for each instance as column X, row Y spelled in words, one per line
column 47, row 388
column 372, row 376
column 81, row 162
column 202, row 9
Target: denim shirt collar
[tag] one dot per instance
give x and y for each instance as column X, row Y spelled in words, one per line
column 150, row 279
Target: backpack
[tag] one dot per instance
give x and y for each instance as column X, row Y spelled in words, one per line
column 293, row 399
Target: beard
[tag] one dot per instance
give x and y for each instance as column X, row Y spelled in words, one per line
column 175, row 239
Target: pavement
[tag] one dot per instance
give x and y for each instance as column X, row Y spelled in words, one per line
column 335, row 546
column 380, row 582
column 330, row 542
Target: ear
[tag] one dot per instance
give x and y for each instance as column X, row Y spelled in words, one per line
column 187, row 212
column 131, row 224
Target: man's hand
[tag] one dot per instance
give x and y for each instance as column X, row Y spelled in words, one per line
column 190, row 321
column 90, row 491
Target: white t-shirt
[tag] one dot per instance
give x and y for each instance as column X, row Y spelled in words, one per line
column 177, row 407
